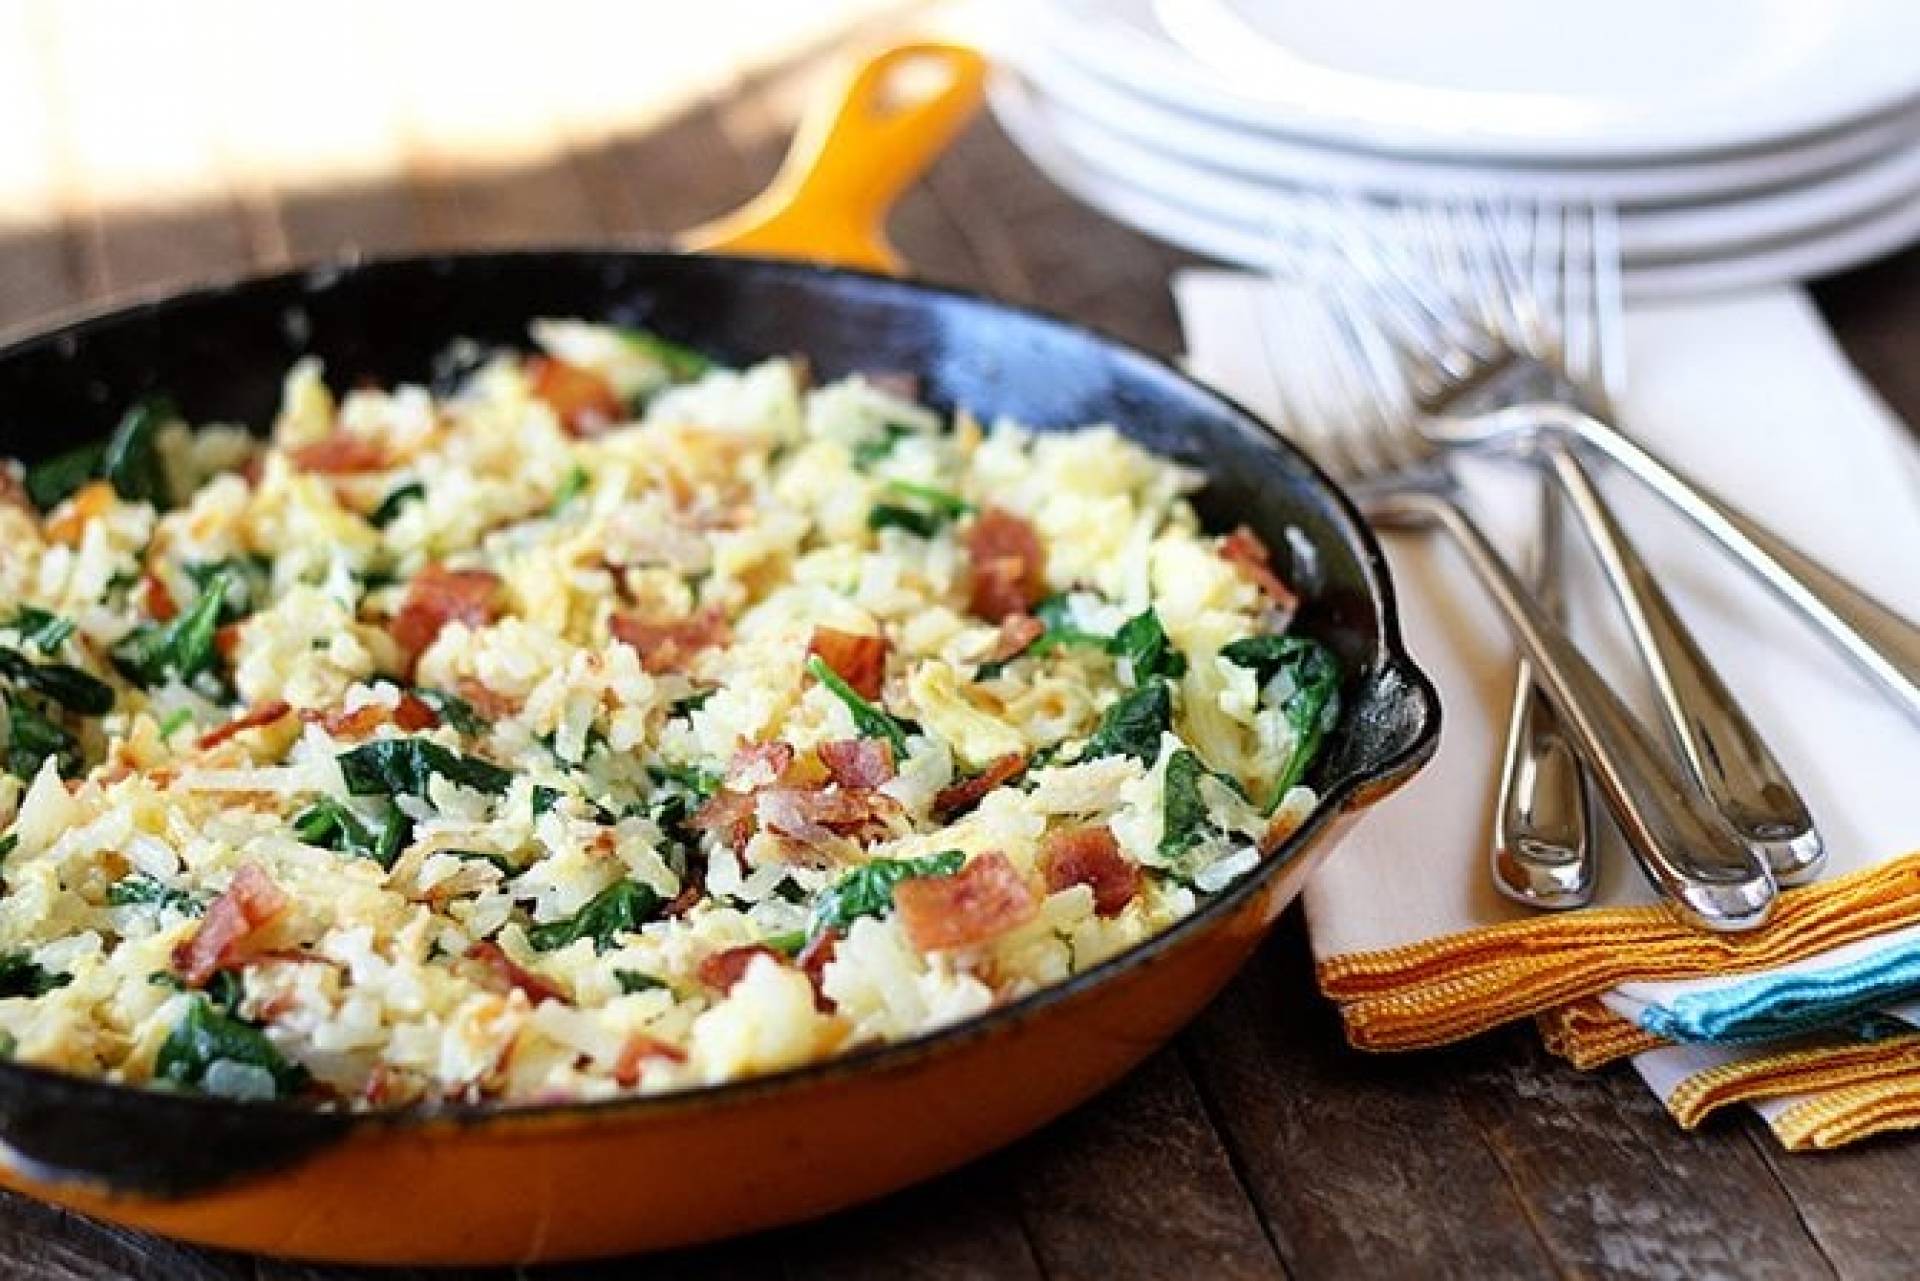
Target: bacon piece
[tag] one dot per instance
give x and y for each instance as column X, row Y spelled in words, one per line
column 250, row 903
column 956, row 797
column 489, row 703
column 860, row 661
column 410, row 714
column 1090, row 856
column 437, row 596
column 728, row 815
column 226, row 639
column 813, row 961
column 585, row 402
column 757, row 765
column 160, row 604
column 818, row 817
column 858, row 762
column 265, row 714
column 722, row 969
column 1017, row 633
column 670, row 646
column 340, row 455
column 638, row 1048
column 1009, row 564
column 504, row 968
column 1246, row 553
column 980, row 902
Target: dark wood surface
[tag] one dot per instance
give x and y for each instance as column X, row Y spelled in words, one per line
column 1258, row 1145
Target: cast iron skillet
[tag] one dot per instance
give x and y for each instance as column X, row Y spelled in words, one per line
column 220, row 353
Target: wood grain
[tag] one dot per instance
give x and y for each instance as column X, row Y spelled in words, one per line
column 1259, row 1146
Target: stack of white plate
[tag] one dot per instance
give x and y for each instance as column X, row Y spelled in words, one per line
column 1743, row 142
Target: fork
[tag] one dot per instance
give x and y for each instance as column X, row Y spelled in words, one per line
column 1481, row 344
column 1362, row 432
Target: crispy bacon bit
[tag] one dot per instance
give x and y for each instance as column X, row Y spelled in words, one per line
column 585, row 402
column 437, row 596
column 159, row 602
column 348, row 726
column 721, row 970
column 963, row 795
column 488, row 702
column 412, row 713
column 89, row 502
column 860, row 661
column 1246, row 553
column 232, row 921
column 1090, row 856
column 640, row 1047
column 226, row 640
column 1009, row 564
column 858, row 762
column 757, row 765
column 813, row 961
column 1017, row 632
column 340, row 455
column 265, row 714
column 512, row 974
column 728, row 815
column 670, row 646
column 980, row 902
column 818, row 817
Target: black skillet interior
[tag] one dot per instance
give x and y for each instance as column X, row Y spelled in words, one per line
column 221, row 353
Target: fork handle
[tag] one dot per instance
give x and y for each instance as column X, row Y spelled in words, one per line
column 1543, row 853
column 1880, row 642
column 1689, row 854
column 1722, row 749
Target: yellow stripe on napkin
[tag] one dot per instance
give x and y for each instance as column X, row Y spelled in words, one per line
column 1838, row 1117
column 1589, row 1035
column 1450, row 988
column 1827, row 1068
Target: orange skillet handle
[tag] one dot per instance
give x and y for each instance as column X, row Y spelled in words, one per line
column 853, row 156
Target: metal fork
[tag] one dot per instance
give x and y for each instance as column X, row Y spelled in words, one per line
column 1361, row 429
column 1477, row 347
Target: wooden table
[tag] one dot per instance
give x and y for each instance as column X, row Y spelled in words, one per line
column 1258, row 1145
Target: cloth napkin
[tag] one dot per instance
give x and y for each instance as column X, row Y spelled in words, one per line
column 1409, row 936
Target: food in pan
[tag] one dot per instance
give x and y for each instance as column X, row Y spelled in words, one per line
column 601, row 721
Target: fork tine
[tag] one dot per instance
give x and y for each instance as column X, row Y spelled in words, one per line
column 1303, row 419
column 1576, row 302
column 1609, row 312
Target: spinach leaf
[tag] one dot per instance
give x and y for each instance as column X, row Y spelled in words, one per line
column 182, row 647
column 402, row 766
column 632, row 981
column 682, row 363
column 868, row 890
column 329, row 825
column 571, row 488
column 692, row 778
column 32, row 740
column 1308, row 688
column 951, row 506
column 21, row 975
column 54, row 480
column 1133, row 725
column 174, row 721
column 876, row 449
column 8, row 844
column 47, row 630
column 138, row 888
column 893, row 516
column 247, row 580
column 131, row 462
column 1185, row 810
column 395, row 502
column 1143, row 642
column 692, row 703
column 1055, row 615
column 68, row 686
column 206, row 1036
column 621, row 908
column 870, row 721
column 452, row 709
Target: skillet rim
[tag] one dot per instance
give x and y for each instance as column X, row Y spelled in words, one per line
column 330, row 1126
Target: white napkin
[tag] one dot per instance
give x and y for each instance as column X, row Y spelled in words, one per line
column 1751, row 394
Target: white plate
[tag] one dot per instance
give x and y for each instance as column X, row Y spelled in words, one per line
column 1515, row 79
column 1666, row 233
column 1822, row 254
column 1272, row 157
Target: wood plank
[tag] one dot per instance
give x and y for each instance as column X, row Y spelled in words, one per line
column 1857, row 1204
